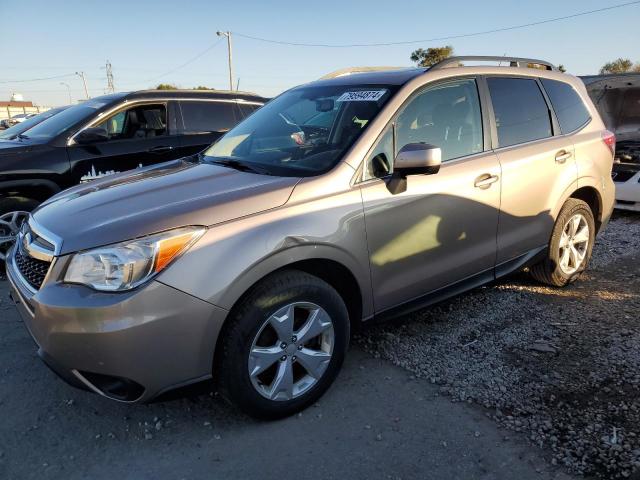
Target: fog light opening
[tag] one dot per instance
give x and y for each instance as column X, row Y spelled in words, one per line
column 117, row 388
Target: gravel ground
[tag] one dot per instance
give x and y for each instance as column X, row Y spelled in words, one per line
column 377, row 422
column 559, row 365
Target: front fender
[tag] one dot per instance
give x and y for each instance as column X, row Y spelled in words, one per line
column 232, row 257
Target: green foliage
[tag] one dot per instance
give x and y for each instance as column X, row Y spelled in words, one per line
column 173, row 86
column 621, row 65
column 431, row 56
column 562, row 68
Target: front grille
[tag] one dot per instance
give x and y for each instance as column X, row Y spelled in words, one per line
column 32, row 270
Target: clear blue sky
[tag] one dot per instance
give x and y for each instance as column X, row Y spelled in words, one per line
column 144, row 39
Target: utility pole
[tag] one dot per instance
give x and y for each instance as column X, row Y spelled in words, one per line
column 228, row 35
column 68, row 90
column 110, row 87
column 84, row 83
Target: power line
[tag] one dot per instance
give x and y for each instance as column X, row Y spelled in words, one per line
column 449, row 37
column 209, row 48
column 38, row 79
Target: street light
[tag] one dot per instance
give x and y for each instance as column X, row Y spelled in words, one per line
column 68, row 89
column 84, row 82
column 228, row 35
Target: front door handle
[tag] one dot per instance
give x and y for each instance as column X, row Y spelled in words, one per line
column 562, row 156
column 485, row 180
column 162, row 149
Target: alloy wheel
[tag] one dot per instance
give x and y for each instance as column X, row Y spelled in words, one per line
column 574, row 244
column 10, row 224
column 291, row 351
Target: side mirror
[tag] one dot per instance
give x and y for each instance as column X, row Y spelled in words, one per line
column 418, row 159
column 92, row 135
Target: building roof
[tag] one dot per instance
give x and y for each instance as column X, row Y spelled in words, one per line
column 16, row 104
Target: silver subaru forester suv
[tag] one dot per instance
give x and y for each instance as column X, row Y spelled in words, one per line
column 350, row 198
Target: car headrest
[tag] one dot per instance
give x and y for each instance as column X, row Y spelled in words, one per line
column 153, row 119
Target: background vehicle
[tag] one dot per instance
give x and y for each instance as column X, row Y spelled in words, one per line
column 260, row 257
column 617, row 98
column 110, row 134
column 16, row 119
column 19, row 128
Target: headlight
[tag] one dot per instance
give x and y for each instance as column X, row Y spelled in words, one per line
column 126, row 265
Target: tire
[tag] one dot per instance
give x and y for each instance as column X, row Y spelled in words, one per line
column 250, row 329
column 552, row 270
column 13, row 211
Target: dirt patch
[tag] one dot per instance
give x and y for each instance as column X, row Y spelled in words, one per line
column 562, row 366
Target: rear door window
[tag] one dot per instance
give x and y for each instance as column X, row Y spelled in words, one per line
column 207, row 117
column 569, row 107
column 520, row 110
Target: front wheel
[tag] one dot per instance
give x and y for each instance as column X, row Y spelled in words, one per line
column 284, row 346
column 570, row 245
column 13, row 213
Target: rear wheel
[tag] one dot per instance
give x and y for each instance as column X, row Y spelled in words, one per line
column 284, row 346
column 570, row 245
column 13, row 212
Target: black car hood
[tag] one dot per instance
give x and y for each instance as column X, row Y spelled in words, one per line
column 9, row 147
column 15, row 146
column 173, row 194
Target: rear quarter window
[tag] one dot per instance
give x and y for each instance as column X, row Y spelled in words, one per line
column 569, row 107
column 206, row 117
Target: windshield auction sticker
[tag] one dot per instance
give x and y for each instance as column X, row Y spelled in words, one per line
column 362, row 96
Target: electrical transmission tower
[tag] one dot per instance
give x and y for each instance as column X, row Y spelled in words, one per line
column 110, row 87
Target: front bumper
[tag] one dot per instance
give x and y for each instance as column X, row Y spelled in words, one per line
column 129, row 346
column 628, row 194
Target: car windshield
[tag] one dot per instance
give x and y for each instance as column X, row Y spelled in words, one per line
column 22, row 127
column 55, row 125
column 303, row 132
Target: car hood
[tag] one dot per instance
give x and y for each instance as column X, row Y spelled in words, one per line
column 174, row 194
column 617, row 98
column 12, row 147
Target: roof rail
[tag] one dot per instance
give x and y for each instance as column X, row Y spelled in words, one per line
column 350, row 70
column 513, row 61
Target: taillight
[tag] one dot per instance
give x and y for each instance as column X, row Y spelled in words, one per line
column 609, row 138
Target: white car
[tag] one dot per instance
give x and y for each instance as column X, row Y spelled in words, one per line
column 617, row 98
column 9, row 122
column 626, row 175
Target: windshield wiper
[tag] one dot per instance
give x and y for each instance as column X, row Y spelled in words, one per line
column 22, row 136
column 241, row 166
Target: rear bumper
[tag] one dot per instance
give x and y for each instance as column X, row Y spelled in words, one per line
column 129, row 347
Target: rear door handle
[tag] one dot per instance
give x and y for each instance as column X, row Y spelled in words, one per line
column 562, row 156
column 160, row 149
column 485, row 180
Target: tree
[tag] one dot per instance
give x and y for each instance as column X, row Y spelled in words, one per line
column 202, row 87
column 431, row 56
column 562, row 68
column 621, row 65
column 166, row 86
